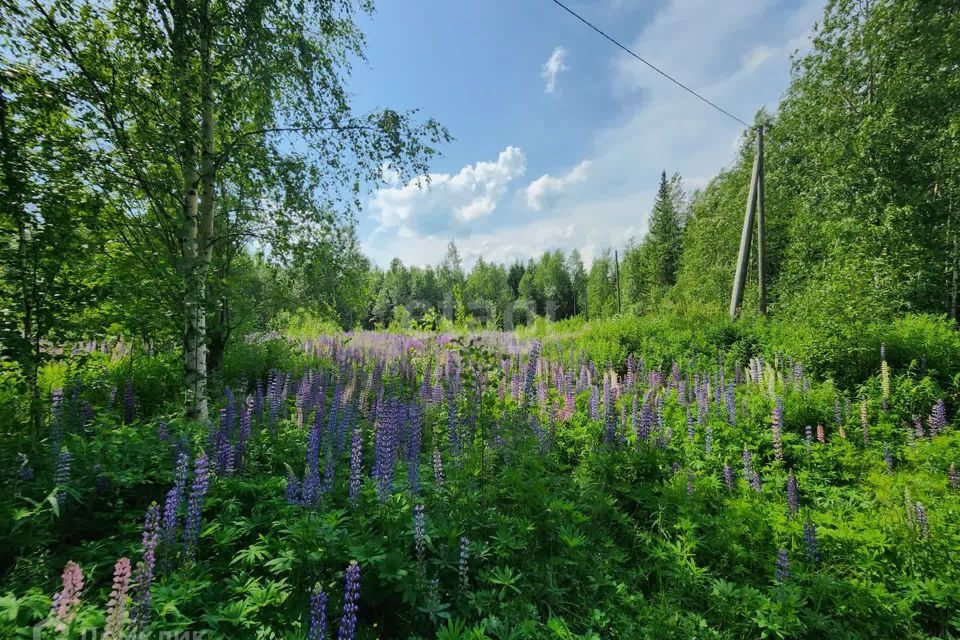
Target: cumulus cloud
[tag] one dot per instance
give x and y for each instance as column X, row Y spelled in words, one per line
column 553, row 67
column 451, row 199
column 545, row 189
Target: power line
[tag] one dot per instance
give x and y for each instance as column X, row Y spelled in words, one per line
column 652, row 66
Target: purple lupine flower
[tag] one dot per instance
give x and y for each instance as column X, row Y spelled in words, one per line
column 292, row 491
column 419, row 535
column 793, row 495
column 594, row 402
column 921, row 517
column 66, row 600
column 198, row 490
column 356, row 469
column 728, row 477
column 887, row 458
column 810, row 549
column 783, row 566
column 531, row 373
column 129, row 403
column 809, row 438
column 865, row 421
column 690, row 485
column 318, row 615
column 117, row 605
column 776, row 428
column 609, row 414
column 690, row 429
column 329, row 475
column 953, row 478
column 747, row 464
column 61, row 476
column 175, row 497
column 351, row 596
column 938, row 418
column 245, row 432
column 224, row 446
column 437, row 470
column 708, row 440
column 310, row 489
column 151, row 536
column 462, row 565
column 731, row 401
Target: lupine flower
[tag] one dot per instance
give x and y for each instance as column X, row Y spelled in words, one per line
column 419, row 534
column 609, row 415
column 728, row 476
column 776, row 427
column 938, row 418
column 793, row 495
column 865, row 421
column 783, row 566
column 810, row 550
column 61, row 476
column 887, row 458
column 318, row 615
column 921, row 515
column 821, row 434
column 117, row 605
column 884, row 377
column 356, row 459
column 66, row 600
column 953, row 477
column 144, row 580
column 462, row 566
column 594, row 403
column 747, row 464
column 351, row 596
column 437, row 470
column 175, row 498
column 531, row 374
column 129, row 403
column 708, row 440
column 809, row 437
column 198, row 490
column 690, row 486
column 292, row 491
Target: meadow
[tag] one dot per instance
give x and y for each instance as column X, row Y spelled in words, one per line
column 488, row 485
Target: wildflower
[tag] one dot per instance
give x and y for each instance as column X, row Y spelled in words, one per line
column 419, row 534
column 356, row 470
column 437, row 469
column 747, row 464
column 887, row 458
column 175, row 498
column 921, row 516
column 351, row 595
column 151, row 536
column 117, row 605
column 776, row 427
column 884, row 377
column 938, row 418
column 129, row 403
column 318, row 615
column 728, row 476
column 865, row 421
column 708, row 440
column 198, row 490
column 292, row 491
column 821, row 434
column 61, row 476
column 810, row 550
column 462, row 567
column 793, row 495
column 809, row 437
column 953, row 477
column 783, row 566
column 66, row 600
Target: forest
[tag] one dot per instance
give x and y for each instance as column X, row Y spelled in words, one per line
column 219, row 418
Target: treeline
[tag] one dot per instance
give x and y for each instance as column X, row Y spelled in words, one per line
column 557, row 285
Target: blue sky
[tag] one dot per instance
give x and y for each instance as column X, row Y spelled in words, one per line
column 560, row 137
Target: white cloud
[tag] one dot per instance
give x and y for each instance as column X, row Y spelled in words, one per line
column 554, row 65
column 472, row 193
column 738, row 58
column 546, row 188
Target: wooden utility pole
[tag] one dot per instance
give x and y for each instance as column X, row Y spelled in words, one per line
column 761, row 229
column 616, row 263
column 754, row 202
